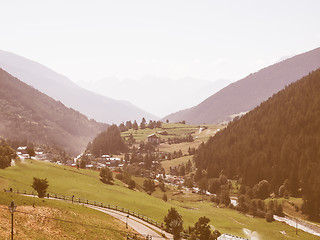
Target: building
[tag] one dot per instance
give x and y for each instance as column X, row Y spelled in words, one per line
column 22, row 150
column 226, row 236
column 154, row 139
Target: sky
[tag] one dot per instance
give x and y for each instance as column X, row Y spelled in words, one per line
column 91, row 40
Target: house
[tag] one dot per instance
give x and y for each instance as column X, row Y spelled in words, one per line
column 105, row 157
column 226, row 236
column 154, row 139
column 22, row 150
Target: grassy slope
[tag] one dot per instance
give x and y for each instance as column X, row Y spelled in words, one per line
column 85, row 184
column 174, row 130
column 26, row 226
column 175, row 162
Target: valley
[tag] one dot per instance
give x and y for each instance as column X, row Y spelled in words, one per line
column 204, row 125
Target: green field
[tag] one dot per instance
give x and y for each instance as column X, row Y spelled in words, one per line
column 86, row 184
column 173, row 130
column 175, row 162
column 58, row 220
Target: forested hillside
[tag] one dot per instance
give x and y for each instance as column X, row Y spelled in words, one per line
column 27, row 114
column 108, row 142
column 276, row 141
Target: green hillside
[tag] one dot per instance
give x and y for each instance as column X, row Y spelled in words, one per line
column 86, row 184
column 277, row 141
column 51, row 219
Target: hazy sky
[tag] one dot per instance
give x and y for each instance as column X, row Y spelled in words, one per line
column 90, row 40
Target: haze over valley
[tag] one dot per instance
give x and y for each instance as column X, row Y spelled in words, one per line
column 167, row 120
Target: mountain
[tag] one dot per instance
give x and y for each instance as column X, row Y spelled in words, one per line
column 247, row 93
column 164, row 95
column 278, row 141
column 93, row 105
column 28, row 114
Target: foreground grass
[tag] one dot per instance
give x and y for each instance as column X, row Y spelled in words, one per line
column 86, row 184
column 51, row 219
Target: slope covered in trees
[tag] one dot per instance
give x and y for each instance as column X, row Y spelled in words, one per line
column 108, row 142
column 27, row 114
column 249, row 92
column 277, row 141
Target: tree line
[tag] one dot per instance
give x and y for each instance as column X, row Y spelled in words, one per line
column 143, row 125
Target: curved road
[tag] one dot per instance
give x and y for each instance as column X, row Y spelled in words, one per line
column 137, row 224
column 142, row 227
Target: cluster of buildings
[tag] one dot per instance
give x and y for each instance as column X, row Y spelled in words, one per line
column 98, row 163
column 39, row 154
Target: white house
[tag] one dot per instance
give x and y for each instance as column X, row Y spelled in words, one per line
column 226, row 236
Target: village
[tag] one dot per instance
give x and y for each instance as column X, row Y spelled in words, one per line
column 114, row 163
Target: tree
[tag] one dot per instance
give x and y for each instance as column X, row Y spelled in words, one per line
column 202, row 229
column 40, row 185
column 262, row 189
column 173, row 223
column 203, row 184
column 106, row 175
column 83, row 163
column 148, row 185
column 269, row 216
column 225, row 197
column 129, row 124
column 6, row 154
column 162, row 186
column 164, row 197
column 122, row 127
column 4, row 162
column 135, row 125
column 143, row 123
column 214, row 186
column 182, row 170
column 30, row 151
column 131, row 184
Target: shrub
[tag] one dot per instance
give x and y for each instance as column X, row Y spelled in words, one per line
column 40, row 185
column 165, row 198
column 119, row 176
column 132, row 184
column 269, row 216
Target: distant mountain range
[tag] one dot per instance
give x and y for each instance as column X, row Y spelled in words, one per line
column 156, row 95
column 98, row 107
column 247, row 93
column 27, row 114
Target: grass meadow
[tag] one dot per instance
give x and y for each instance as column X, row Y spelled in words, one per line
column 86, row 184
column 51, row 219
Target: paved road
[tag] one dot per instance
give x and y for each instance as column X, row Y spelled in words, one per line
column 137, row 224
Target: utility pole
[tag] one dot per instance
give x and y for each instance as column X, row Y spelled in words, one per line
column 127, row 221
column 12, row 209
